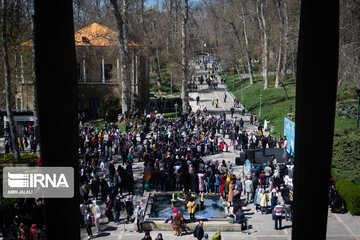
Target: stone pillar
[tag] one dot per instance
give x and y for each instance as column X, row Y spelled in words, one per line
column 103, row 67
column 16, row 68
column 118, row 69
column 84, row 66
column 137, row 73
column 22, row 69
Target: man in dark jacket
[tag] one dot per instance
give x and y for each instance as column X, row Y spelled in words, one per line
column 199, row 231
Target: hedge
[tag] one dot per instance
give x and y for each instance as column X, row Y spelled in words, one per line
column 346, row 157
column 351, row 194
column 24, row 158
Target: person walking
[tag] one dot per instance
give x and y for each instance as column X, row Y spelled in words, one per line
column 129, row 206
column 232, row 110
column 89, row 221
column 278, row 212
column 191, row 205
column 199, row 231
column 262, row 179
column 264, row 201
column 198, row 100
column 97, row 214
column 117, row 209
column 176, row 222
column 285, row 144
column 139, row 217
column 231, row 193
column 225, row 96
column 248, row 189
column 216, row 102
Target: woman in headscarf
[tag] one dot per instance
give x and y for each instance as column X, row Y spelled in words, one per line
column 191, row 205
column 34, row 232
column 217, row 236
column 231, row 192
column 176, row 222
column 222, row 183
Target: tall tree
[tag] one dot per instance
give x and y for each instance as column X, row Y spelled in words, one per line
column 121, row 17
column 286, row 41
column 157, row 55
column 248, row 59
column 184, row 59
column 264, row 38
column 35, row 92
column 9, row 113
column 278, row 65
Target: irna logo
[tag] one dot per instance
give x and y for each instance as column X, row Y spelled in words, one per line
column 16, row 180
column 43, row 182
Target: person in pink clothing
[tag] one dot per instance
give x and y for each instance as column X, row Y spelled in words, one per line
column 201, row 181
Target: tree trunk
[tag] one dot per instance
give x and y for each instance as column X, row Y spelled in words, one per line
column 126, row 58
column 286, row 42
column 285, row 91
column 9, row 113
column 35, row 92
column 123, row 53
column 278, row 67
column 238, row 72
column 184, row 60
column 262, row 24
column 157, row 56
column 248, row 59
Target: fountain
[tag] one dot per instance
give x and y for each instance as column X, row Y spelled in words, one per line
column 210, row 208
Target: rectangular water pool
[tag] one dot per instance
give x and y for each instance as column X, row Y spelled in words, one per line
column 213, row 208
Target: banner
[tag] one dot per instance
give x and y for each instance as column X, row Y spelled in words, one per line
column 289, row 132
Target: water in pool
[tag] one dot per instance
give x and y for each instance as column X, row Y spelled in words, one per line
column 212, row 208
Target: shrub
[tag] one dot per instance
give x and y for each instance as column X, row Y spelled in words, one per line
column 347, row 111
column 346, row 157
column 351, row 194
column 112, row 107
column 24, row 158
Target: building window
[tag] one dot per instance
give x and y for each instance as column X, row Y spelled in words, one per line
column 108, row 69
column 18, row 103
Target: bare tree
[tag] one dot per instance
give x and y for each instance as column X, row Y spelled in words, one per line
column 123, row 43
column 278, row 65
column 35, row 92
column 9, row 105
column 264, row 38
column 157, row 55
column 248, row 59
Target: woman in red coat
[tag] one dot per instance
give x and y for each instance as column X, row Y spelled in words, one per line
column 222, row 183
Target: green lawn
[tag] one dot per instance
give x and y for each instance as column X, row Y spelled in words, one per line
column 101, row 123
column 274, row 105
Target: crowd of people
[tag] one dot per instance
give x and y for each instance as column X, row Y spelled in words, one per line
column 26, row 141
column 172, row 154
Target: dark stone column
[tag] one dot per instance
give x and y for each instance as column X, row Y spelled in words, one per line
column 55, row 67
column 315, row 112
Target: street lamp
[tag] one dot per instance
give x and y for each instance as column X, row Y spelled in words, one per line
column 358, row 110
column 260, row 105
column 176, row 107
